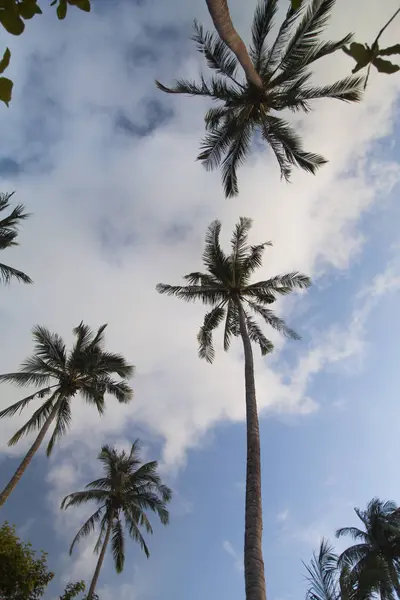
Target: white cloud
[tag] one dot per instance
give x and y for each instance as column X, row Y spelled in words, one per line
column 106, row 207
column 283, row 515
column 237, row 560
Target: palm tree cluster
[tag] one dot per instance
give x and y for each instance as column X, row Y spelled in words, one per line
column 368, row 569
column 277, row 79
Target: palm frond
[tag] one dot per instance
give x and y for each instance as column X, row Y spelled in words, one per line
column 7, row 273
column 79, row 498
column 263, row 22
column 349, row 89
column 204, row 337
column 190, row 293
column 214, row 116
column 239, row 239
column 63, row 423
column 49, row 347
column 11, row 410
column 36, row 421
column 102, row 484
column 87, row 528
column 214, row 258
column 271, row 319
column 253, row 261
column 203, row 279
column 217, row 54
column 257, row 336
column 323, row 574
column 25, row 379
column 122, row 391
column 239, row 150
column 136, row 535
column 354, row 532
column 231, row 324
column 118, row 545
column 353, row 554
column 281, row 40
column 287, row 147
column 217, row 142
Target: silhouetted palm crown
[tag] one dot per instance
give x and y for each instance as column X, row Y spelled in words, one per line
column 127, row 490
column 8, row 235
column 226, row 284
column 87, row 370
column 323, row 574
column 244, row 109
column 374, row 563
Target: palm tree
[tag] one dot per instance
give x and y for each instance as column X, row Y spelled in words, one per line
column 244, row 110
column 86, row 369
column 129, row 489
column 374, row 562
column 226, row 287
column 219, row 12
column 8, row 234
column 325, row 580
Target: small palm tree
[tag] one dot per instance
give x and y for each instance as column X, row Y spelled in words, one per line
column 374, row 562
column 226, row 287
column 325, row 580
column 127, row 491
column 245, row 109
column 8, row 234
column 86, row 369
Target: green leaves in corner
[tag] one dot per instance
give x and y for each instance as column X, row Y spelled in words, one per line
column 296, row 4
column 6, row 84
column 13, row 14
column 365, row 55
column 63, row 6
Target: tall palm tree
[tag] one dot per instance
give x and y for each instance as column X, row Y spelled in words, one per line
column 374, row 562
column 86, row 369
column 127, row 492
column 8, row 234
column 226, row 287
column 245, row 110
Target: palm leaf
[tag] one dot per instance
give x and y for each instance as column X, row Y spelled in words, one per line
column 257, row 336
column 217, row 54
column 204, row 337
column 118, row 545
column 87, row 528
column 322, row 574
column 7, row 273
column 263, row 22
column 271, row 319
column 10, row 411
column 36, row 421
column 190, row 293
column 24, row 379
column 239, row 149
column 63, row 423
column 49, row 347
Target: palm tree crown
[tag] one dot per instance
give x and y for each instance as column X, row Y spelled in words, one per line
column 373, row 563
column 226, row 284
column 8, row 235
column 323, row 574
column 86, row 370
column 245, row 109
column 127, row 492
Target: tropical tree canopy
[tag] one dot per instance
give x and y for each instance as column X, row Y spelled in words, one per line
column 245, row 111
column 323, row 574
column 8, row 235
column 127, row 492
column 87, row 369
column 226, row 282
column 373, row 563
column 24, row 574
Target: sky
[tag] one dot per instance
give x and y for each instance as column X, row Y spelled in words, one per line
column 106, row 165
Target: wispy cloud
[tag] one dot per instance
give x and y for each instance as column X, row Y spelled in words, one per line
column 237, row 561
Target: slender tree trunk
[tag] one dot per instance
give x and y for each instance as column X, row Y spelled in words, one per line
column 30, row 454
column 101, row 558
column 253, row 557
column 220, row 15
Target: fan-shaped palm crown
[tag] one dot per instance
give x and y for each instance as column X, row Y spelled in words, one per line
column 244, row 108
column 8, row 235
column 124, row 495
column 85, row 370
column 373, row 564
column 226, row 286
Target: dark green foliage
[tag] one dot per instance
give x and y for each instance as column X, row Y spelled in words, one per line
column 226, row 283
column 373, row 563
column 124, row 495
column 323, row 574
column 72, row 590
column 14, row 13
column 9, row 230
column 243, row 109
column 23, row 573
column 86, row 369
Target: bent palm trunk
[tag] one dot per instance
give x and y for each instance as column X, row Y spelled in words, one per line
column 253, row 557
column 220, row 15
column 30, row 454
column 101, row 559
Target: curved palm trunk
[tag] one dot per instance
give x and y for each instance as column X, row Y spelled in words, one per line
column 30, row 454
column 253, row 557
column 101, row 559
column 220, row 15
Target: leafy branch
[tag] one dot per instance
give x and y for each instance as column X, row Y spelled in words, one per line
column 366, row 55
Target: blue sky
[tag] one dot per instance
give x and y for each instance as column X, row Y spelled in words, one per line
column 106, row 165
